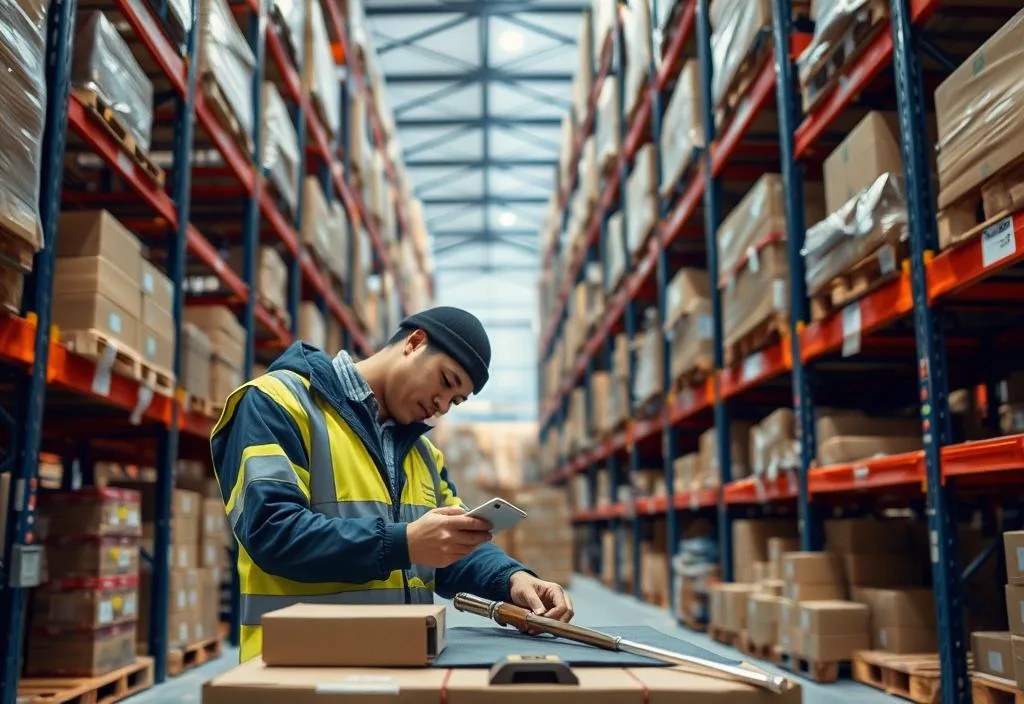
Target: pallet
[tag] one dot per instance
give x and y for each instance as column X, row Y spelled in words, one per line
column 819, row 80
column 97, row 345
column 986, row 689
column 106, row 116
column 745, row 76
column 772, row 328
column 160, row 379
column 221, row 108
column 181, row 659
column 278, row 313
column 768, row 653
column 998, row 197
column 820, row 672
column 693, row 378
column 692, row 623
column 723, row 635
column 105, row 689
column 914, row 677
column 203, row 407
column 874, row 271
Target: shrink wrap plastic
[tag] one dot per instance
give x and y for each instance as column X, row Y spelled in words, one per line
column 226, row 59
column 736, row 26
column 104, row 64
column 322, row 73
column 831, row 18
column 761, row 213
column 608, row 139
column 23, row 92
column 876, row 216
column 280, row 146
column 293, row 15
column 683, row 131
column 773, row 445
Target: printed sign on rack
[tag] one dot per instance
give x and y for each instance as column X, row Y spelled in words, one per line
column 998, row 242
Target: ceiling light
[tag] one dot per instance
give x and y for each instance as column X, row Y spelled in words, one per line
column 507, row 219
column 511, row 40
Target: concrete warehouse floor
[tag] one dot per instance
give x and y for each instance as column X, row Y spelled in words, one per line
column 595, row 605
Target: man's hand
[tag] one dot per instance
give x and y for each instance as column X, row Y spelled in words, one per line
column 542, row 598
column 445, row 535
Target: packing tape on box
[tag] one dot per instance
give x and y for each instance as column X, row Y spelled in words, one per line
column 142, row 404
column 104, row 365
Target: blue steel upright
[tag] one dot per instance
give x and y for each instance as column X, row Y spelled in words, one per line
column 181, row 182
column 793, row 183
column 295, row 265
column 345, row 107
column 712, row 220
column 30, row 391
column 931, row 358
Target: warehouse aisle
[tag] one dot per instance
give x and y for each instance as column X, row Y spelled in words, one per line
column 595, row 606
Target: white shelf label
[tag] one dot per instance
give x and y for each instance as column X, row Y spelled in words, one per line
column 753, row 366
column 997, row 242
column 694, row 501
column 860, row 473
column 851, row 329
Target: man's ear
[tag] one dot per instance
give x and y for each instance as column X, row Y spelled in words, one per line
column 415, row 341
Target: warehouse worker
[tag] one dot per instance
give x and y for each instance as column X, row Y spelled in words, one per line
column 335, row 496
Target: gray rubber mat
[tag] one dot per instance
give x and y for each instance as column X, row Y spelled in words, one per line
column 484, row 646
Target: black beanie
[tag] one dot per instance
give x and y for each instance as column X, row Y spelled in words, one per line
column 458, row 334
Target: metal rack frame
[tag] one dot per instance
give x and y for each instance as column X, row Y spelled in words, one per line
column 26, row 341
column 929, row 279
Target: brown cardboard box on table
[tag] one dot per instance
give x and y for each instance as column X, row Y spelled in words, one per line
column 993, row 654
column 321, row 635
column 255, row 681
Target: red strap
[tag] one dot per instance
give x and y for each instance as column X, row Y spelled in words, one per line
column 646, row 693
column 444, row 686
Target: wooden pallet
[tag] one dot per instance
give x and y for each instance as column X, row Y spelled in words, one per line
column 160, row 379
column 820, row 672
column 105, row 115
column 746, row 646
column 723, row 635
column 772, row 328
column 1001, row 195
column 693, row 378
column 96, row 344
column 181, row 659
column 693, row 624
column 745, row 76
column 819, row 80
column 280, row 314
column 204, row 407
column 221, row 108
column 986, row 689
column 874, row 271
column 913, row 677
column 105, row 689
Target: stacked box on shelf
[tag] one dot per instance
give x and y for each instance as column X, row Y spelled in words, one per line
column 862, row 239
column 321, row 74
column 316, row 221
column 828, row 631
column 23, row 89
column 545, row 542
column 654, row 568
column 358, row 147
column 979, row 136
column 642, row 200
column 226, row 65
column 84, row 617
column 290, row 16
column 313, row 326
column 637, row 33
column 687, row 325
column 648, row 349
column 608, row 139
column 760, row 542
column 850, row 436
column 196, row 364
column 710, row 465
column 227, row 339
column 271, row 282
column 215, row 540
column 280, row 146
column 157, row 338
column 104, row 67
column 1013, row 547
column 740, row 43
column 682, row 130
column 773, row 445
column 97, row 292
column 615, row 251
column 583, row 81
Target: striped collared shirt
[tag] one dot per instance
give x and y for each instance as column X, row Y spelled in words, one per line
column 357, row 390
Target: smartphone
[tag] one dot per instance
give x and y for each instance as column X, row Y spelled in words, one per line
column 500, row 513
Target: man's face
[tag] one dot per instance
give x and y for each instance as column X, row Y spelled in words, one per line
column 424, row 383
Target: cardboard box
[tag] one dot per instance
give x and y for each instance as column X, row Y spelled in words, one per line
column 156, row 347
column 196, row 353
column 214, row 526
column 731, row 605
column 312, row 325
column 834, row 617
column 896, row 639
column 90, row 512
column 1017, row 650
column 79, row 653
column 222, row 327
column 907, row 607
column 271, row 274
column 750, row 542
column 755, row 294
column 224, row 379
column 883, row 570
column 1013, row 545
column 846, row 449
column 739, row 449
column 814, row 592
column 256, row 681
column 777, row 547
column 833, row 648
column 93, row 556
column 78, row 311
column 334, row 635
column 87, row 602
column 1015, row 608
column 157, row 297
column 87, row 277
column 871, row 149
column 992, row 654
column 812, row 568
column 97, row 233
column 763, row 618
column 867, row 535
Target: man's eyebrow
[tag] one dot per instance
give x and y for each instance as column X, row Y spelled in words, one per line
column 458, row 379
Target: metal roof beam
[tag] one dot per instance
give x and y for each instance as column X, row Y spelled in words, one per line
column 477, row 75
column 496, row 200
column 479, row 164
column 454, row 234
column 491, row 7
column 482, row 122
column 424, row 34
column 487, row 268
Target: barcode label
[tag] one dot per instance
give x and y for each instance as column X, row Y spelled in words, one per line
column 997, row 242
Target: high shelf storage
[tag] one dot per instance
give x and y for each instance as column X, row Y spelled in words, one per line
column 199, row 197
column 934, row 318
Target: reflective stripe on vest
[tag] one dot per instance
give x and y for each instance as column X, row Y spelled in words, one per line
column 255, row 606
column 256, row 468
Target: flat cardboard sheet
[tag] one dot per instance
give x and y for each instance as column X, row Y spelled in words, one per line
column 484, row 646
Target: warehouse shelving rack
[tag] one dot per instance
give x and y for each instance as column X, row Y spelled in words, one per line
column 119, row 411
column 930, row 285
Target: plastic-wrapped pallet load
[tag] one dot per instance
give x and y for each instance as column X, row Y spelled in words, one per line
column 23, row 92
column 636, row 21
column 609, row 142
column 292, row 14
column 583, row 81
column 615, row 250
column 641, row 194
column 980, row 118
column 832, row 19
column 321, row 71
column 271, row 281
column 773, row 445
column 103, row 65
column 226, row 65
column 337, row 249
column 683, row 130
column 280, row 146
column 316, row 222
column 312, row 325
column 737, row 27
column 648, row 348
column 688, row 322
